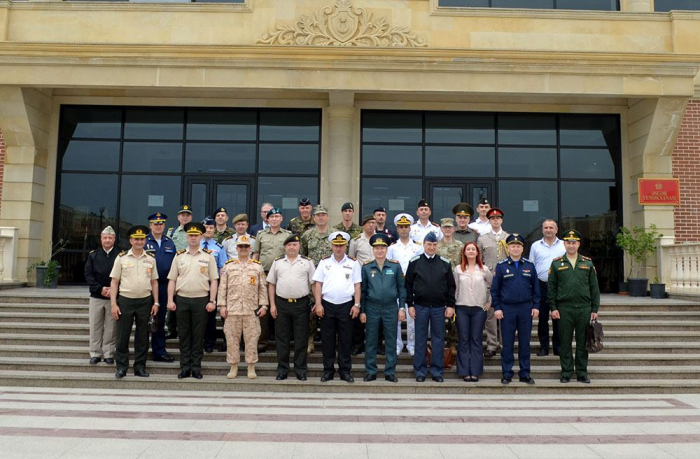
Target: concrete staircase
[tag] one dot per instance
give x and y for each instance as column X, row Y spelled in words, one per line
column 651, row 346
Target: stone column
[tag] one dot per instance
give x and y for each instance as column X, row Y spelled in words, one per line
column 637, row 6
column 340, row 176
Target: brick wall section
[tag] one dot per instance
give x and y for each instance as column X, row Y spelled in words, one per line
column 2, row 166
column 686, row 167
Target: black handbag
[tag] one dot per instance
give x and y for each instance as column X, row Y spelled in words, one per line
column 153, row 324
column 594, row 337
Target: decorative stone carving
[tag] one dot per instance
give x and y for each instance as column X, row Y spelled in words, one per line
column 342, row 25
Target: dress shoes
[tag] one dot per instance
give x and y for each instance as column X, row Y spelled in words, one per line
column 391, row 378
column 583, row 379
column 420, row 378
column 164, row 358
column 369, row 377
column 556, row 351
column 197, row 374
column 109, row 361
column 438, row 379
column 301, row 377
column 527, row 380
column 222, row 348
column 171, row 336
column 564, row 379
column 184, row 374
column 95, row 360
column 208, row 350
column 489, row 353
column 281, row 377
column 380, row 351
column 542, row 352
column 141, row 373
column 120, row 374
column 262, row 349
column 347, row 377
column 327, row 377
column 475, row 379
column 505, row 380
column 357, row 351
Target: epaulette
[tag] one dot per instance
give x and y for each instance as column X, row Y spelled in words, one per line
column 445, row 259
column 435, row 224
column 170, row 229
column 558, row 258
column 353, row 259
column 123, row 252
column 279, row 258
column 366, row 262
column 417, row 243
column 525, row 259
column 255, row 261
column 586, row 258
column 93, row 251
column 394, row 261
column 414, row 258
column 227, row 238
column 306, row 258
column 221, row 246
column 206, row 250
column 503, row 261
column 232, row 260
column 356, row 237
column 150, row 254
column 325, row 258
column 180, row 252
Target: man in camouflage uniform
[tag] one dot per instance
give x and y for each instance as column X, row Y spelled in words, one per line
column 299, row 225
column 450, row 248
column 463, row 213
column 316, row 246
column 347, row 225
column 243, row 296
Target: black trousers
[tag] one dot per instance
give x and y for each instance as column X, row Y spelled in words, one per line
column 191, row 323
column 210, row 331
column 543, row 324
column 358, row 333
column 292, row 322
column 133, row 310
column 336, row 323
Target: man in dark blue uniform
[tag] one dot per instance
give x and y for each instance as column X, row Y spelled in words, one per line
column 515, row 294
column 382, row 228
column 163, row 248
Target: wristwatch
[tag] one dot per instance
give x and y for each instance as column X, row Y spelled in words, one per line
column 156, row 304
column 356, row 305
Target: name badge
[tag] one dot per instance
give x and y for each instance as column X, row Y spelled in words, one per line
column 508, row 275
column 389, row 272
column 252, row 280
column 169, row 249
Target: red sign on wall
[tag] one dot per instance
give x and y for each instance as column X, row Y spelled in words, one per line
column 659, row 192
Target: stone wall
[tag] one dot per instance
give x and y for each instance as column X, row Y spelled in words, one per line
column 2, row 166
column 686, row 167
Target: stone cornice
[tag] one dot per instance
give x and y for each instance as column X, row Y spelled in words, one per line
column 128, row 6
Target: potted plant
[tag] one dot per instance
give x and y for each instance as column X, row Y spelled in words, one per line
column 639, row 244
column 657, row 290
column 47, row 271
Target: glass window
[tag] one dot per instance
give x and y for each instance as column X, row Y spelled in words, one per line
column 602, row 5
column 527, row 162
column 292, row 125
column 668, row 5
column 222, row 125
column 220, row 158
column 460, row 161
column 231, row 196
column 583, row 200
column 459, row 128
column 605, row 5
column 589, row 131
column 83, row 155
column 541, row 4
column 396, row 127
column 151, row 123
column 397, row 195
column 587, row 163
column 525, row 204
column 392, row 160
column 152, row 157
column 465, row 3
column 93, row 123
column 143, row 195
column 289, row 158
column 285, row 192
column 527, row 129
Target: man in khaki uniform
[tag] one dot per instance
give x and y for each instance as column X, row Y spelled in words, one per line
column 134, row 283
column 179, row 237
column 360, row 248
column 243, row 298
column 192, row 292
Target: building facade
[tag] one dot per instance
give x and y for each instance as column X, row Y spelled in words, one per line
column 110, row 111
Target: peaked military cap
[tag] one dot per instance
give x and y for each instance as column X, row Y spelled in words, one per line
column 109, row 230
column 515, row 238
column 137, row 232
column 184, row 209
column 368, row 218
column 463, row 209
column 240, row 218
column 208, row 221
column 338, row 238
column 292, row 238
column 403, row 219
column 243, row 240
column 447, row 222
column 423, row 203
column 194, row 228
column 274, row 211
column 157, row 218
column 347, row 206
column 571, row 235
column 494, row 212
column 320, row 209
column 430, row 237
column 379, row 240
column 304, row 202
column 219, row 210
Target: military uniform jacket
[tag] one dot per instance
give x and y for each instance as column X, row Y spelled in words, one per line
column 513, row 285
column 219, row 236
column 389, row 232
column 430, row 282
column 97, row 268
column 573, row 286
column 360, row 249
column 451, row 250
column 403, row 253
column 243, row 287
column 164, row 254
column 315, row 245
column 466, row 235
column 270, row 246
column 216, row 250
column 193, row 273
column 493, row 248
column 382, row 287
column 299, row 226
column 134, row 274
column 179, row 237
column 354, row 230
column 418, row 231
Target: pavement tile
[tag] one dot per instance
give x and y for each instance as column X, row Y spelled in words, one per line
column 330, row 451
column 491, row 451
column 169, row 449
column 628, row 451
column 538, row 451
column 407, row 451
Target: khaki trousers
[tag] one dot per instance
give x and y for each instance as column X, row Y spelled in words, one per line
column 249, row 327
column 103, row 329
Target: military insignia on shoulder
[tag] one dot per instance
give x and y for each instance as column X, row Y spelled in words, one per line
column 93, row 251
column 503, row 261
column 367, row 262
column 353, row 259
column 123, row 252
column 414, row 258
column 417, row 243
column 180, row 252
column 525, row 259
column 558, row 258
column 306, row 258
column 206, row 250
column 279, row 258
column 394, row 261
column 435, row 224
column 151, row 254
column 586, row 258
column 255, row 261
column 445, row 259
column 232, row 260
column 227, row 238
column 325, row 258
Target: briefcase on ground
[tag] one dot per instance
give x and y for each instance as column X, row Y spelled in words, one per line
column 594, row 337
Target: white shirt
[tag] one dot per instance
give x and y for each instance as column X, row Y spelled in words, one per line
column 339, row 278
column 541, row 255
column 419, row 231
column 480, row 226
column 403, row 252
column 230, row 245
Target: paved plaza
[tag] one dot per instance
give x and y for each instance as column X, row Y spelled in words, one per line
column 96, row 423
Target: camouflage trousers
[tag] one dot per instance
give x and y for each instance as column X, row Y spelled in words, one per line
column 249, row 327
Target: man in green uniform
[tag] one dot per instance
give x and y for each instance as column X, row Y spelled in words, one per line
column 574, row 298
column 463, row 213
column 298, row 225
column 347, row 225
column 382, row 286
column 223, row 231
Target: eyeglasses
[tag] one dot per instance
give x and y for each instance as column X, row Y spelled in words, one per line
column 158, row 223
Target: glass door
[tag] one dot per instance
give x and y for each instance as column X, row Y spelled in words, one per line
column 443, row 195
column 206, row 194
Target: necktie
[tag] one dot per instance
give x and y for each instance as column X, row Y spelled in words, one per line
column 206, row 245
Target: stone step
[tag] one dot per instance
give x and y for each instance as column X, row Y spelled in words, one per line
column 45, row 308
column 45, row 298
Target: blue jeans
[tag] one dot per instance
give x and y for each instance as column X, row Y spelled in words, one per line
column 516, row 317
column 435, row 318
column 470, row 332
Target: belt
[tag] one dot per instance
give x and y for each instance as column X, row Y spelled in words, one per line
column 291, row 300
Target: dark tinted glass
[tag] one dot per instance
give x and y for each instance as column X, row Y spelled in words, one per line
column 143, row 195
column 290, row 125
column 285, row 192
column 460, row 161
column 92, row 123
column 465, row 3
column 542, row 4
column 288, row 159
column 83, row 155
column 527, row 129
column 526, row 204
column 231, row 196
column 221, row 125
column 585, row 200
column 589, row 131
column 392, row 160
column 396, row 127
column 152, row 157
column 668, row 5
column 527, row 162
column 443, row 199
column 459, row 128
column 220, row 158
column 587, row 163
column 397, row 195
column 149, row 123
column 603, row 5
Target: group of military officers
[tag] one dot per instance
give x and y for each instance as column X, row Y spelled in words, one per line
column 361, row 282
